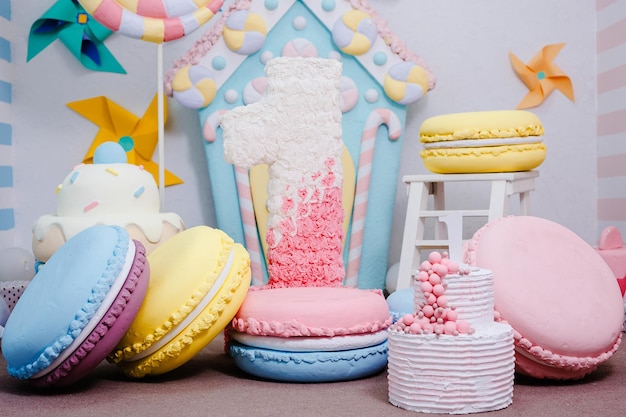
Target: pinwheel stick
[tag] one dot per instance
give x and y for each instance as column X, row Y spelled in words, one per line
column 161, row 124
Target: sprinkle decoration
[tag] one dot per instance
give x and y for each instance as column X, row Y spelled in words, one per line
column 91, row 206
column 112, row 171
column 434, row 315
column 58, row 190
column 74, row 176
column 139, row 191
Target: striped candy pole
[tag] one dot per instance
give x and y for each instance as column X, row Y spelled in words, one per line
column 249, row 224
column 376, row 118
column 209, row 130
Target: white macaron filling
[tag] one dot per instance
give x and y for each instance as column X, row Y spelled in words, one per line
column 476, row 143
column 106, row 303
column 198, row 309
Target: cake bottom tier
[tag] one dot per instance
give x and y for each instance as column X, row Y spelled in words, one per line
column 452, row 374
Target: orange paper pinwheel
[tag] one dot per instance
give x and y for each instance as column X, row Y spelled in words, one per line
column 138, row 136
column 542, row 76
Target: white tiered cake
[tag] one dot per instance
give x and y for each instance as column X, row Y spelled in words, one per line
column 451, row 357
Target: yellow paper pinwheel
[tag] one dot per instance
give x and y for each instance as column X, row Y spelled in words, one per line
column 542, row 76
column 138, row 136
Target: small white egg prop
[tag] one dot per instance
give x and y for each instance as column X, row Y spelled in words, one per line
column 4, row 315
column 391, row 282
column 16, row 264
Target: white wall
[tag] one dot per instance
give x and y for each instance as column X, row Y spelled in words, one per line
column 466, row 43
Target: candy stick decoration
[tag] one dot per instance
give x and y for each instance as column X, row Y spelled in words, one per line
column 249, row 224
column 209, row 130
column 375, row 120
column 161, row 125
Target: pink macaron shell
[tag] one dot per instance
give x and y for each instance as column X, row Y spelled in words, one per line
column 109, row 330
column 555, row 291
column 312, row 311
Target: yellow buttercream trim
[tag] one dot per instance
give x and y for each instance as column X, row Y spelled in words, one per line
column 509, row 158
column 199, row 333
column 480, row 125
column 127, row 352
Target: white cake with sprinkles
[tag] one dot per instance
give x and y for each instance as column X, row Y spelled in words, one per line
column 112, row 192
column 451, row 357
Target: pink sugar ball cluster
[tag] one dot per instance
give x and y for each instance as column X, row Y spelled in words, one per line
column 434, row 315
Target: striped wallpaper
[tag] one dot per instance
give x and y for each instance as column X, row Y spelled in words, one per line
column 7, row 219
column 611, row 114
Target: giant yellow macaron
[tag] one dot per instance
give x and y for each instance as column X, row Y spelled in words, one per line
column 479, row 142
column 199, row 279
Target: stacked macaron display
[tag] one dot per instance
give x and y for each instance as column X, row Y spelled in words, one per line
column 486, row 141
column 99, row 297
column 311, row 334
column 77, row 307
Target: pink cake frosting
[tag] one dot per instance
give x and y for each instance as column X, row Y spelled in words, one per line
column 308, row 238
column 304, row 204
column 292, row 312
column 451, row 357
column 557, row 293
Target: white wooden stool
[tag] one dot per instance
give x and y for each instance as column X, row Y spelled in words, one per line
column 419, row 187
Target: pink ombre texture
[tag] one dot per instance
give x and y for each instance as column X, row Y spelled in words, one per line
column 296, row 130
column 308, row 249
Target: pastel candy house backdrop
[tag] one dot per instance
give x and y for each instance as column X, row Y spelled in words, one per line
column 583, row 172
column 225, row 69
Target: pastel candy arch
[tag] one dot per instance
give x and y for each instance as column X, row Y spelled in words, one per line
column 194, row 86
column 244, row 32
column 405, row 83
column 355, row 32
column 155, row 21
column 300, row 47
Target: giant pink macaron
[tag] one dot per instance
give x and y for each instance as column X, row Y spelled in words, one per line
column 557, row 293
column 311, row 334
column 77, row 308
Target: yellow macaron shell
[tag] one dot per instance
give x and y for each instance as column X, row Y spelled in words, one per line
column 509, row 158
column 480, row 125
column 198, row 280
column 513, row 141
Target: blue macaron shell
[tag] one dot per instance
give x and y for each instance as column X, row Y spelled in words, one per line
column 61, row 299
column 331, row 366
